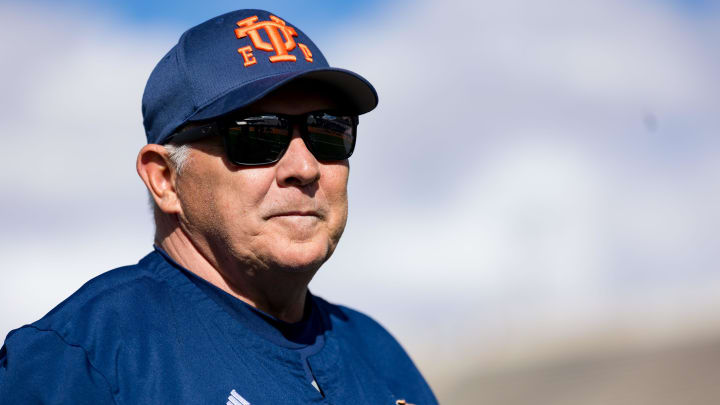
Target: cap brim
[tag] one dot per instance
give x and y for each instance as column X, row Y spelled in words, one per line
column 359, row 93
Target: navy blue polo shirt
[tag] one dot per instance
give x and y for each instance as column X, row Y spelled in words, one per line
column 155, row 333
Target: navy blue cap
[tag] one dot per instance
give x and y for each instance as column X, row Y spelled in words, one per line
column 233, row 60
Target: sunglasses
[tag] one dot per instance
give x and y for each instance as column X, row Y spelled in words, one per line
column 263, row 138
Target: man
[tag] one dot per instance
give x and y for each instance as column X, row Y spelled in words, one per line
column 249, row 133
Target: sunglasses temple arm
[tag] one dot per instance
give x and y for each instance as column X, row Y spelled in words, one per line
column 193, row 134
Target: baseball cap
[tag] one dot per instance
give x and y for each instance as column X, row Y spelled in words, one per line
column 233, row 60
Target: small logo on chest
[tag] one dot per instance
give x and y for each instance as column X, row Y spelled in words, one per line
column 236, row 399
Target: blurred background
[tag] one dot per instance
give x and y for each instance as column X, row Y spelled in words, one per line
column 534, row 205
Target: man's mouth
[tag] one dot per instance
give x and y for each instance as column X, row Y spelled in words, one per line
column 295, row 214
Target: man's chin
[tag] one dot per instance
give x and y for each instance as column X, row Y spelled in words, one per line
column 295, row 228
column 300, row 258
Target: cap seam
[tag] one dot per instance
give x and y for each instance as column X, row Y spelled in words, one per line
column 180, row 55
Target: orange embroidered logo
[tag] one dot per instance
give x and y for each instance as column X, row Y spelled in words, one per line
column 281, row 40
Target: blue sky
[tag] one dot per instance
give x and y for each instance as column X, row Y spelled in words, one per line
column 192, row 12
column 696, row 5
column 189, row 13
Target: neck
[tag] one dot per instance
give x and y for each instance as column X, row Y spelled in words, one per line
column 274, row 291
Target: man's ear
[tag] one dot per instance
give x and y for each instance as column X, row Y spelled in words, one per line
column 156, row 171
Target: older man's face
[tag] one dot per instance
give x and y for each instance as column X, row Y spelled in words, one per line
column 289, row 214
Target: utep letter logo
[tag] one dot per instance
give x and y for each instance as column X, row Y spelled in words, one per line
column 281, row 40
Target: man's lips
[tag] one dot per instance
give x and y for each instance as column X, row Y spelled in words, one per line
column 294, row 214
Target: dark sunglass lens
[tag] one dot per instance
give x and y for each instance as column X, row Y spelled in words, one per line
column 332, row 137
column 257, row 140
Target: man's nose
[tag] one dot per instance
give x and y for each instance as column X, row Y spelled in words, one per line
column 298, row 166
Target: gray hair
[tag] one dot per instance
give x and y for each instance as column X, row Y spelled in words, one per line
column 178, row 155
